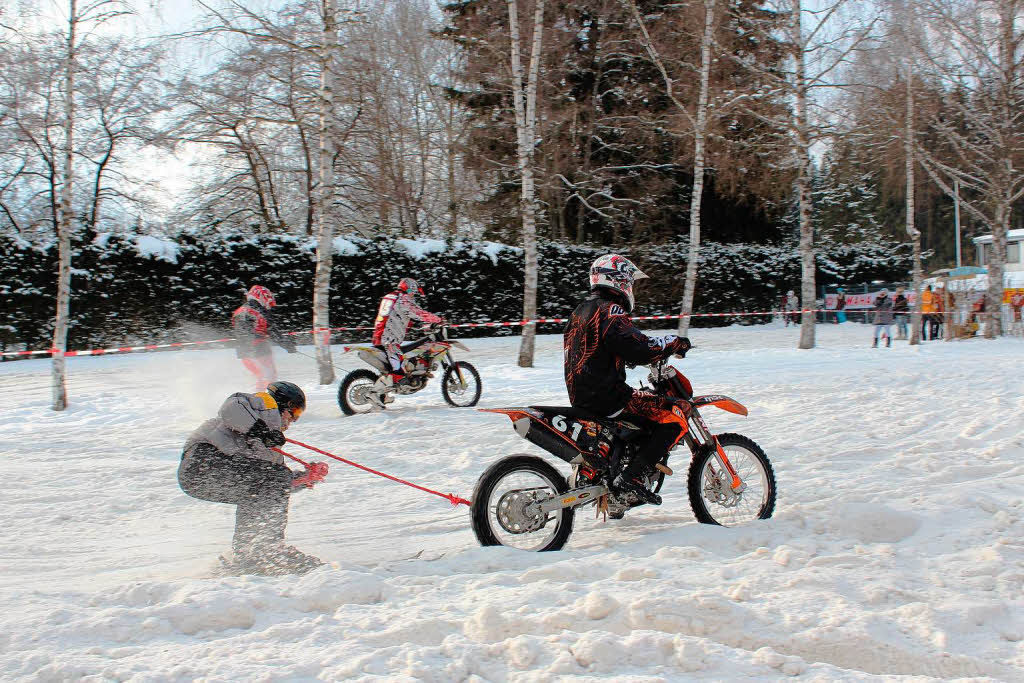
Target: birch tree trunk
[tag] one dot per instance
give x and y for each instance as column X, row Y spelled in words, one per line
column 803, row 180
column 60, row 327
column 325, row 198
column 1009, row 11
column 699, row 135
column 526, row 121
column 912, row 231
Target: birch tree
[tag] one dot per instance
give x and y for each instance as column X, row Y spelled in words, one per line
column 699, row 124
column 912, row 231
column 974, row 58
column 525, row 103
column 79, row 16
column 820, row 42
column 325, row 196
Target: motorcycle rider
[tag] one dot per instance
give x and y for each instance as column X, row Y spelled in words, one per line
column 228, row 459
column 600, row 339
column 255, row 328
column 397, row 311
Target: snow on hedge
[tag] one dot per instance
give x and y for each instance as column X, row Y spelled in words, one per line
column 157, row 248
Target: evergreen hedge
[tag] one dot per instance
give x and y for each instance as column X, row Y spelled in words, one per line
column 129, row 289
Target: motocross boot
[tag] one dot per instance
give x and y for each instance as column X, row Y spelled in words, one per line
column 382, row 391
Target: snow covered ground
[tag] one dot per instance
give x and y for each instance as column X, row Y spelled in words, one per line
column 897, row 547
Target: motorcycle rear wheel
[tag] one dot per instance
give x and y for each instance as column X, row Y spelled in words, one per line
column 751, row 464
column 352, row 393
column 497, row 511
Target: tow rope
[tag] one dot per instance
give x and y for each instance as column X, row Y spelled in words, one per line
column 450, row 497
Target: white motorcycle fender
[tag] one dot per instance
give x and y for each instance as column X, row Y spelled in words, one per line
column 376, row 359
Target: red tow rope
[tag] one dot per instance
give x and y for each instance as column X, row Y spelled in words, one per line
column 289, row 455
column 450, row 497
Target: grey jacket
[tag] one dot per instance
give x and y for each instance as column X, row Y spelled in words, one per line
column 227, row 432
column 883, row 311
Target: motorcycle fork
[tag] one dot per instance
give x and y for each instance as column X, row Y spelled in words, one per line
column 700, row 437
column 448, row 359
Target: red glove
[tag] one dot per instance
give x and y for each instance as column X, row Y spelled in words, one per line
column 314, row 474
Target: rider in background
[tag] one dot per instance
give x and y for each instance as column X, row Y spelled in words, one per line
column 397, row 311
column 254, row 329
column 600, row 339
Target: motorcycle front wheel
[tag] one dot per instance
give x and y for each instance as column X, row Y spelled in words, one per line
column 354, row 392
column 708, row 485
column 465, row 393
column 501, row 512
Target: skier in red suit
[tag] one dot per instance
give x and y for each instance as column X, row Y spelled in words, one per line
column 254, row 331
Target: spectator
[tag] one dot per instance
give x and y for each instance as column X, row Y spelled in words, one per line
column 840, row 306
column 1016, row 303
column 978, row 309
column 883, row 318
column 901, row 311
column 792, row 308
column 939, row 304
column 927, row 310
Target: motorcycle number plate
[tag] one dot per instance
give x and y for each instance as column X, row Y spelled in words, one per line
column 582, row 432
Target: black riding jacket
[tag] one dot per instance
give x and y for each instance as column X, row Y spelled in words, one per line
column 600, row 339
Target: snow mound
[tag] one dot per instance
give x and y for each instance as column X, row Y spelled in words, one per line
column 875, row 523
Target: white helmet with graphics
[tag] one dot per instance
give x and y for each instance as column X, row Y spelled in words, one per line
column 617, row 273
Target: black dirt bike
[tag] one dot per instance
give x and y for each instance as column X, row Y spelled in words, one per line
column 360, row 392
column 522, row 501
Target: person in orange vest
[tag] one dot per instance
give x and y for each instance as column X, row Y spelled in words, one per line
column 255, row 328
column 927, row 311
column 1016, row 303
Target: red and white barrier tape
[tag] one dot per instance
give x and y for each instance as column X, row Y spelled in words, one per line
column 118, row 349
column 515, row 323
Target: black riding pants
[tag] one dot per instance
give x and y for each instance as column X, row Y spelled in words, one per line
column 667, row 423
column 258, row 488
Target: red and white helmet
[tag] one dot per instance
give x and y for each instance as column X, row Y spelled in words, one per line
column 407, row 284
column 261, row 295
column 616, row 272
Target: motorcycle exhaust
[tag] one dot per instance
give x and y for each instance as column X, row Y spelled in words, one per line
column 538, row 435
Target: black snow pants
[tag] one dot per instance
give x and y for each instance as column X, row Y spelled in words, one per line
column 258, row 488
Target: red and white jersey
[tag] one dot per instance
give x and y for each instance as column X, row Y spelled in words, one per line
column 397, row 311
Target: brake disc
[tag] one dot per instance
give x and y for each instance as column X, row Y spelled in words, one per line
column 360, row 394
column 512, row 515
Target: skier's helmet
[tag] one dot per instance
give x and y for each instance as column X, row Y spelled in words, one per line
column 288, row 397
column 407, row 284
column 261, row 295
column 617, row 273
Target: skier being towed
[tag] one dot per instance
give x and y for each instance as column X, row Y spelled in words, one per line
column 229, row 459
column 600, row 339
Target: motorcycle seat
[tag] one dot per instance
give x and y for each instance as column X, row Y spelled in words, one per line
column 570, row 411
column 405, row 347
column 620, row 426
